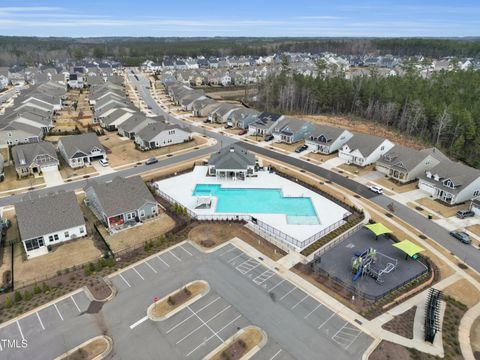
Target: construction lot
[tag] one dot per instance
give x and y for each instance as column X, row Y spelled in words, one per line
column 242, row 292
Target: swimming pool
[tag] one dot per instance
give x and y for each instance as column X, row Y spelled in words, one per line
column 299, row 210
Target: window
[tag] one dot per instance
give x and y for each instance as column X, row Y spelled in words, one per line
column 142, row 213
column 154, row 210
column 52, row 238
column 34, row 244
column 66, row 234
column 476, row 193
column 82, row 230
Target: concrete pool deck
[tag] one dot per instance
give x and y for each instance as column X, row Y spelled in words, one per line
column 329, row 214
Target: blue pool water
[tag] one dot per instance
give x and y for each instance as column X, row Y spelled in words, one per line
column 299, row 210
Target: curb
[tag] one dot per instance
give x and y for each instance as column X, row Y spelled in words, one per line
column 179, row 308
column 245, row 356
column 103, row 355
column 109, row 283
column 208, row 250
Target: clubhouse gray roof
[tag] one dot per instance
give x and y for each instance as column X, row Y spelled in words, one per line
column 80, row 143
column 365, row 143
column 232, row 157
column 23, row 155
column 121, row 195
column 38, row 216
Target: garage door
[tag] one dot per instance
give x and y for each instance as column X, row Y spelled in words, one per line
column 49, row 168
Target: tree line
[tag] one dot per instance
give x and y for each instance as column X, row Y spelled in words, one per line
column 133, row 51
column 442, row 110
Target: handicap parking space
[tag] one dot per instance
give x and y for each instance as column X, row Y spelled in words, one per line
column 202, row 326
column 312, row 312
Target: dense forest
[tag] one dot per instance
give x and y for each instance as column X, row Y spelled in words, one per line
column 133, row 51
column 442, row 110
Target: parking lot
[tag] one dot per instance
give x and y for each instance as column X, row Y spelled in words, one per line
column 242, row 292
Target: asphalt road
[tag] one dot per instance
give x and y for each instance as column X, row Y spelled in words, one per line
column 466, row 253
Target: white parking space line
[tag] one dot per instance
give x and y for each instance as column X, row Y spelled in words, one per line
column 236, row 257
column 228, row 251
column 175, row 256
column 298, row 303
column 199, row 310
column 163, row 261
column 188, row 252
column 311, row 312
column 355, row 338
column 223, row 328
column 40, row 320
column 141, row 277
column 20, row 329
column 331, row 316
column 75, row 304
column 203, row 324
column 276, row 354
column 284, row 296
column 260, row 279
column 151, row 267
column 135, row 324
column 126, row 282
column 58, row 311
column 281, row 282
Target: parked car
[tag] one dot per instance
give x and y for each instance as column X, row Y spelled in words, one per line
column 301, row 148
column 376, row 189
column 103, row 162
column 268, row 137
column 228, row 126
column 150, row 161
column 461, row 236
column 243, row 132
column 462, row 214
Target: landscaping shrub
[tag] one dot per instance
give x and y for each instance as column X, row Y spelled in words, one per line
column 46, row 288
column 111, row 262
column 171, row 301
column 17, row 296
column 100, row 265
column 27, row 295
column 8, row 302
column 36, row 289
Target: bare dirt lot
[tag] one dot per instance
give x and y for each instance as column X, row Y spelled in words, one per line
column 123, row 151
column 464, row 291
column 66, row 255
column 219, row 233
column 356, row 169
column 364, row 127
column 136, row 236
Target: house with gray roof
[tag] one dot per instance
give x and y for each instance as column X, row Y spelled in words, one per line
column 160, row 134
column 81, row 150
column 122, row 202
column 187, row 101
column 40, row 229
column 34, row 158
column 203, row 107
column 364, row 149
column 326, row 139
column 451, row 182
column 232, row 162
column 221, row 113
column 264, row 124
column 404, row 164
column 115, row 117
column 135, row 124
column 242, row 117
column 290, row 130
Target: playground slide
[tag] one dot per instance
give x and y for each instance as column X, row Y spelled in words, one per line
column 358, row 274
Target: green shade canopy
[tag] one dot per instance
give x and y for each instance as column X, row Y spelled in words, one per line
column 409, row 248
column 378, row 229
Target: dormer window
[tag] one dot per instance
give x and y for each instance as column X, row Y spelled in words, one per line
column 449, row 183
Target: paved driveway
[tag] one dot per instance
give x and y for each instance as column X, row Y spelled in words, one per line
column 52, row 176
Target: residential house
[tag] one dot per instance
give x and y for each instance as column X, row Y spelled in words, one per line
column 326, row 139
column 290, row 130
column 203, row 107
column 47, row 221
column 187, row 101
column 405, row 164
column 135, row 124
column 115, row 117
column 34, row 158
column 81, row 150
column 451, row 182
column 475, row 205
column 364, row 149
column 241, row 117
column 220, row 114
column 232, row 162
column 122, row 202
column 160, row 134
column 264, row 124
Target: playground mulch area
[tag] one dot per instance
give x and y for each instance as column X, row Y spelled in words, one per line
column 337, row 262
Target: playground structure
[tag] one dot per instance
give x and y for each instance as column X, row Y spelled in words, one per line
column 374, row 264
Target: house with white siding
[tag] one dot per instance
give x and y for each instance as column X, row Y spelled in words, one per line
column 160, row 134
column 326, row 139
column 81, row 150
column 364, row 149
column 40, row 230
